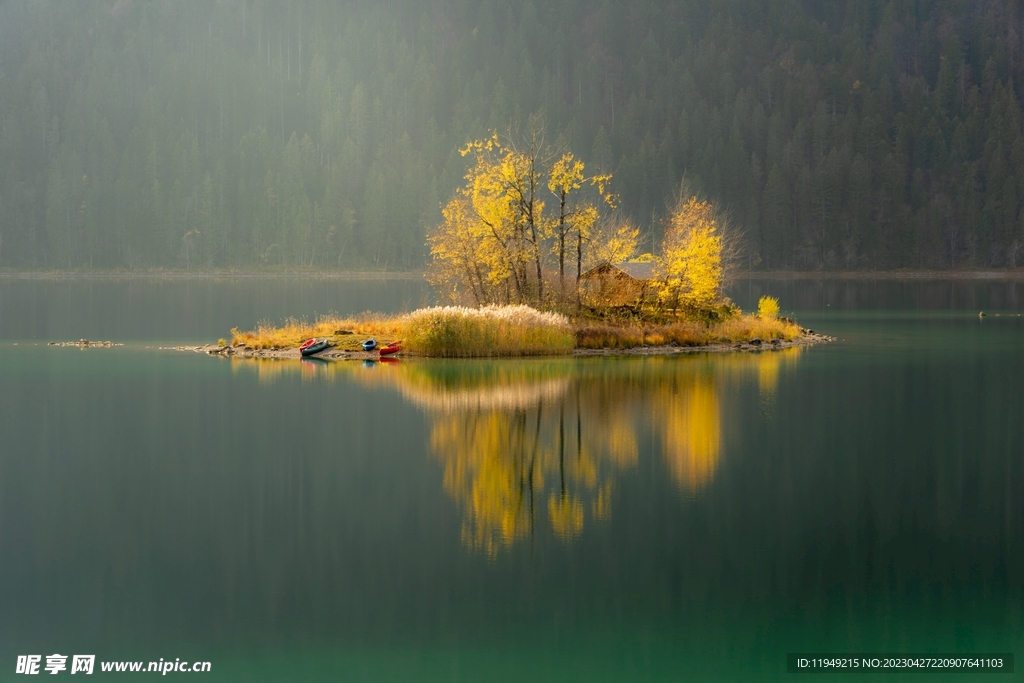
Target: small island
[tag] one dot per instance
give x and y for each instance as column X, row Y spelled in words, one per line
column 510, row 331
column 536, row 258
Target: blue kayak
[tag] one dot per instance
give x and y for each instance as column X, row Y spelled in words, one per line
column 369, row 344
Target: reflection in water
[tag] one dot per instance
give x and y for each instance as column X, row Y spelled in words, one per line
column 511, row 439
column 691, row 433
column 535, row 444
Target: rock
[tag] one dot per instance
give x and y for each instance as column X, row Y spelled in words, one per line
column 756, row 341
column 343, row 332
column 86, row 344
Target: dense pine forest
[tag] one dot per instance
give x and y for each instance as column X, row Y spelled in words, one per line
column 864, row 134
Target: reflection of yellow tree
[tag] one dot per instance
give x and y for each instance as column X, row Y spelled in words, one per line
column 770, row 364
column 520, row 444
column 767, row 366
column 690, row 422
column 499, row 492
column 509, row 468
column 532, row 445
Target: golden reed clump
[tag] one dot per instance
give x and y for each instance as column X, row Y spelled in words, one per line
column 458, row 331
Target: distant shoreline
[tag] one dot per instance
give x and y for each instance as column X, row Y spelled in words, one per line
column 892, row 275
column 897, row 275
column 207, row 275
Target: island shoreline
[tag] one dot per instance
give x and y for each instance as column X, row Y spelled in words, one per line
column 808, row 338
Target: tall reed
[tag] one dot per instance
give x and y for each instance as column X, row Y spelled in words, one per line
column 457, row 331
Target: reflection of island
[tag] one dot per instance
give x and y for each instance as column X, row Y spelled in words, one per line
column 542, row 442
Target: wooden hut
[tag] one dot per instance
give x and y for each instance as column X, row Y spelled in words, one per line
column 616, row 284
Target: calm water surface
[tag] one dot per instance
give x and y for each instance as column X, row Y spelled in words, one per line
column 599, row 519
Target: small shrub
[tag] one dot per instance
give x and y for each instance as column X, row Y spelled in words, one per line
column 747, row 327
column 767, row 308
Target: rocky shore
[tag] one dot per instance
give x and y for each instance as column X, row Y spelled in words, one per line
column 808, row 338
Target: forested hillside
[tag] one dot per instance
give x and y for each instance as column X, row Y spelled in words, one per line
column 325, row 134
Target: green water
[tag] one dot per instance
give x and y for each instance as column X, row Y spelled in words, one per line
column 601, row 519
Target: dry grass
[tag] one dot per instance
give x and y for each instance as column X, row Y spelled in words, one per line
column 454, row 331
column 457, row 331
column 344, row 333
column 626, row 335
column 449, row 331
column 747, row 327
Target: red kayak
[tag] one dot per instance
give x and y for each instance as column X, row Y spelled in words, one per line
column 393, row 347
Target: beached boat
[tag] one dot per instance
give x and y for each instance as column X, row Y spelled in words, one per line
column 393, row 347
column 370, row 344
column 312, row 346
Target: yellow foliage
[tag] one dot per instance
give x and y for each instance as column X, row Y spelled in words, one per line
column 566, row 175
column 616, row 241
column 496, row 237
column 690, row 267
column 496, row 217
column 768, row 308
column 459, row 256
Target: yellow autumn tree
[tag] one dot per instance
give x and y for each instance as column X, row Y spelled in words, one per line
column 460, row 260
column 496, row 237
column 690, row 265
column 574, row 222
column 489, row 237
column 497, row 217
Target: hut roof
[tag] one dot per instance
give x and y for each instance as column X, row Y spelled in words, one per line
column 638, row 270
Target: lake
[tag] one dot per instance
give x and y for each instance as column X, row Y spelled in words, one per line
column 599, row 519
